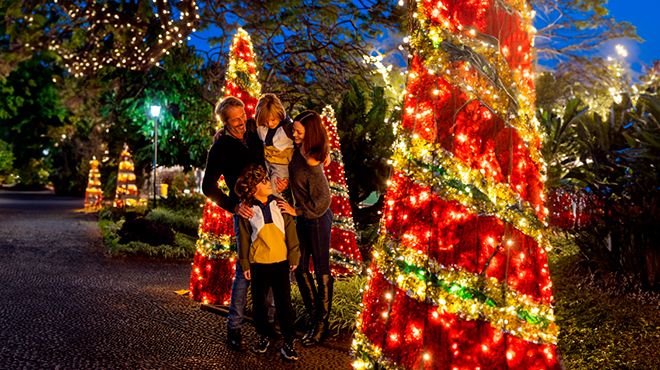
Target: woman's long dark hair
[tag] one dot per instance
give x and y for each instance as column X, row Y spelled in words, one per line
column 315, row 144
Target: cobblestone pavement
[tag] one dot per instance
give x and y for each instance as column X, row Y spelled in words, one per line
column 64, row 304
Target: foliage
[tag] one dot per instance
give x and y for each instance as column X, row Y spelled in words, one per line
column 189, row 204
column 32, row 114
column 185, row 222
column 6, row 160
column 345, row 306
column 185, row 125
column 366, row 143
column 309, row 50
column 601, row 327
column 616, row 158
column 571, row 33
column 89, row 35
column 182, row 248
column 596, row 82
column 560, row 150
column 567, row 29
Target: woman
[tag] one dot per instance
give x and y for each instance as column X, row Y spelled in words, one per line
column 311, row 193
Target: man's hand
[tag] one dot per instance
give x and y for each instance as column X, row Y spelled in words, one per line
column 286, row 208
column 281, row 184
column 244, row 210
column 293, row 267
column 247, row 275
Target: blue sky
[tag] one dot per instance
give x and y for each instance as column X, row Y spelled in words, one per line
column 645, row 15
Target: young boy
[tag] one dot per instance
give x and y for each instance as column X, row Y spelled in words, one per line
column 268, row 249
column 275, row 129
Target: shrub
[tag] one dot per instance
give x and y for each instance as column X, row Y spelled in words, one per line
column 182, row 248
column 615, row 160
column 183, row 221
column 345, row 304
column 146, row 231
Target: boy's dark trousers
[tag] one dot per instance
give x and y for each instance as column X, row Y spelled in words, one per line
column 275, row 276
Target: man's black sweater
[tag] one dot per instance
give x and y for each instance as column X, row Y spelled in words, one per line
column 229, row 156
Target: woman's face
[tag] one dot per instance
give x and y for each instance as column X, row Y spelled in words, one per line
column 298, row 133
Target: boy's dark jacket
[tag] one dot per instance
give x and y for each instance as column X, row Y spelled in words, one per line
column 269, row 236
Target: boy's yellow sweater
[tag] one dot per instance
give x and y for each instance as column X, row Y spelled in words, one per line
column 268, row 237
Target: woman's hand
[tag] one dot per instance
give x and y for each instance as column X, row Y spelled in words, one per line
column 286, row 208
column 293, row 267
column 244, row 210
column 281, row 184
column 327, row 161
column 247, row 275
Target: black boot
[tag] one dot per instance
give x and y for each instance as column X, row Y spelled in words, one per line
column 234, row 339
column 308, row 293
column 323, row 308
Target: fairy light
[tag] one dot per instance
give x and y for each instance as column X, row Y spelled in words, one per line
column 110, row 38
column 345, row 257
column 466, row 249
column 93, row 192
column 216, row 238
column 126, row 194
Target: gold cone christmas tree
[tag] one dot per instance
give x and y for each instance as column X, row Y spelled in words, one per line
column 126, row 194
column 214, row 264
column 93, row 192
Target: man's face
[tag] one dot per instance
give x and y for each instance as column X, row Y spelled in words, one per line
column 236, row 122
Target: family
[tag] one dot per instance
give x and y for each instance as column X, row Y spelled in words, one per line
column 280, row 199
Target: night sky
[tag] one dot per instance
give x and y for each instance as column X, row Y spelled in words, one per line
column 643, row 14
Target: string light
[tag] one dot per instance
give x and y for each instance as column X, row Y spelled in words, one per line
column 216, row 242
column 345, row 257
column 126, row 194
column 461, row 258
column 107, row 35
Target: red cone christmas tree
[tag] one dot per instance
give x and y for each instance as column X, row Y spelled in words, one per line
column 460, row 276
column 127, row 192
column 345, row 256
column 214, row 264
column 93, row 192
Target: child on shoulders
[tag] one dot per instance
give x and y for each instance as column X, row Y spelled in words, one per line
column 275, row 129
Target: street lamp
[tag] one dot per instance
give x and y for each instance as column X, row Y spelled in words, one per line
column 155, row 113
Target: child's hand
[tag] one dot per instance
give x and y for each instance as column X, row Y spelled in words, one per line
column 244, row 210
column 286, row 208
column 327, row 161
column 247, row 275
column 293, row 267
column 281, row 184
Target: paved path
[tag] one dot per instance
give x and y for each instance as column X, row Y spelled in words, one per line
column 65, row 304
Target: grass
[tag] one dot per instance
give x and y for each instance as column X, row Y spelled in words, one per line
column 602, row 327
column 183, row 221
column 345, row 303
column 183, row 248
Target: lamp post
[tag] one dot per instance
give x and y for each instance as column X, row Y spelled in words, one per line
column 155, row 113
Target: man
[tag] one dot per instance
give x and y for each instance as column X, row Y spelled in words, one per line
column 234, row 148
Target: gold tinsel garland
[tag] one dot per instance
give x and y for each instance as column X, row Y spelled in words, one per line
column 423, row 161
column 471, row 296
